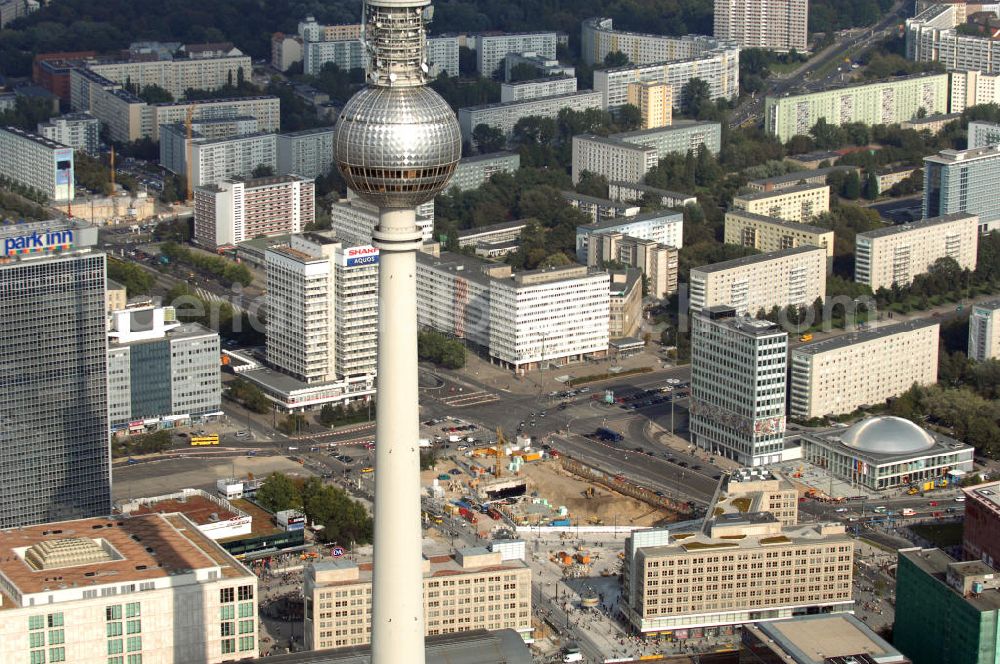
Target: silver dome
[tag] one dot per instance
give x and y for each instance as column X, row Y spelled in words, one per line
column 397, row 147
column 887, row 435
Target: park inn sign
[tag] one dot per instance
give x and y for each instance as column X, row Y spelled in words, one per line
column 37, row 242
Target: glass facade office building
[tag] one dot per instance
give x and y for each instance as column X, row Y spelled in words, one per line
column 54, row 447
column 964, row 181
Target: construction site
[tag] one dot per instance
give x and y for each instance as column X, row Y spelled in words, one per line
column 527, row 487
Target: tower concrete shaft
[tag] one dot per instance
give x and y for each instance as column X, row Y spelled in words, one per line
column 397, row 582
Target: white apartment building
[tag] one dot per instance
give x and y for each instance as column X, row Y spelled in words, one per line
column 310, row 30
column 323, row 311
column 233, row 211
column 505, row 115
column 983, row 134
column 839, row 375
column 473, row 172
column 739, row 569
column 897, row 254
column 718, row 65
column 790, row 277
column 267, row 110
column 777, row 25
column 475, row 588
column 599, row 38
column 160, row 369
column 984, row 331
column 738, row 386
column 537, row 87
column 11, row 10
column 655, row 102
column 286, row 50
column 801, row 202
column 149, row 589
column 608, row 157
column 769, row 234
column 442, row 56
column 931, row 36
column 972, row 88
column 308, row 153
column 491, row 49
column 80, row 131
column 614, row 159
column 633, row 192
column 347, row 54
column 178, row 75
column 658, row 262
column 354, row 219
column 600, row 209
column 544, row 66
column 663, row 227
column 216, row 159
column 35, row 161
column 524, row 320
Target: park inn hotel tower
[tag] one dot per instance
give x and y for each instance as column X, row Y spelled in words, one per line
column 54, row 445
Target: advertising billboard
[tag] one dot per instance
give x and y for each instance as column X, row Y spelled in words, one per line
column 365, row 255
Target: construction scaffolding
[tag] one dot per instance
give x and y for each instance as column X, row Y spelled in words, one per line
column 623, row 486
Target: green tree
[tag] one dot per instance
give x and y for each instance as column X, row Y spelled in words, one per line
column 629, row 117
column 524, row 72
column 615, row 59
column 697, row 97
column 135, row 279
column 343, row 519
column 871, row 186
column 852, row 186
column 154, row 94
column 278, row 493
column 262, row 171
column 488, row 138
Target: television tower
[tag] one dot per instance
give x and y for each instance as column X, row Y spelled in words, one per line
column 397, row 143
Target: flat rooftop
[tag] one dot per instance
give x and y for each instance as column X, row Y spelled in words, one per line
column 918, row 224
column 197, row 508
column 668, row 217
column 696, row 541
column 182, row 331
column 47, row 226
column 723, row 314
column 757, row 258
column 935, row 562
column 678, row 125
column 763, row 195
column 594, row 200
column 554, row 99
column 988, row 493
column 795, row 176
column 493, row 228
column 441, row 565
column 307, row 132
column 961, row 156
column 652, row 190
column 151, row 546
column 472, row 647
column 35, row 138
column 864, row 336
column 775, row 221
column 813, row 639
column 489, row 156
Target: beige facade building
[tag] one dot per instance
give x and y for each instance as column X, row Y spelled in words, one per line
column 778, row 25
column 177, row 76
column 476, row 588
column 794, row 276
column 741, row 567
column 799, row 203
column 760, row 490
column 839, row 375
column 657, row 261
column 897, row 254
column 626, row 302
column 771, row 234
column 614, row 159
column 116, row 296
column 149, row 589
column 655, row 102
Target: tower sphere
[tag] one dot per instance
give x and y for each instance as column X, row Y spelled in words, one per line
column 397, row 147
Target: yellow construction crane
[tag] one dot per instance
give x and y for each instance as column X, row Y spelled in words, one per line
column 189, row 169
column 112, row 170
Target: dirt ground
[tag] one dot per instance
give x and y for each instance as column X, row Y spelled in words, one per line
column 563, row 488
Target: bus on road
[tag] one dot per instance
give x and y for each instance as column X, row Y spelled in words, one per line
column 205, row 440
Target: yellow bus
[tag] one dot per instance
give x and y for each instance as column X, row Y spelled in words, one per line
column 205, row 440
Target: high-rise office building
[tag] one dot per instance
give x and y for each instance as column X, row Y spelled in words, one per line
column 237, row 210
column 778, row 25
column 946, row 611
column 738, row 386
column 159, row 368
column 964, row 181
column 54, row 441
column 984, row 331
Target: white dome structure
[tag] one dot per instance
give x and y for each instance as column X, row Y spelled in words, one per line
column 887, row 435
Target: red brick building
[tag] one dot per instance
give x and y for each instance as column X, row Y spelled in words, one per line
column 981, row 535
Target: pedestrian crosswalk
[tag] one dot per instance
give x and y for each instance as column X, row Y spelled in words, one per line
column 210, row 297
column 464, row 399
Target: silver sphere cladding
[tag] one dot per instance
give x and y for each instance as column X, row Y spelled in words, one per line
column 397, row 147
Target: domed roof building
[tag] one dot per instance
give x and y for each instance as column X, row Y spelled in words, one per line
column 886, row 452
